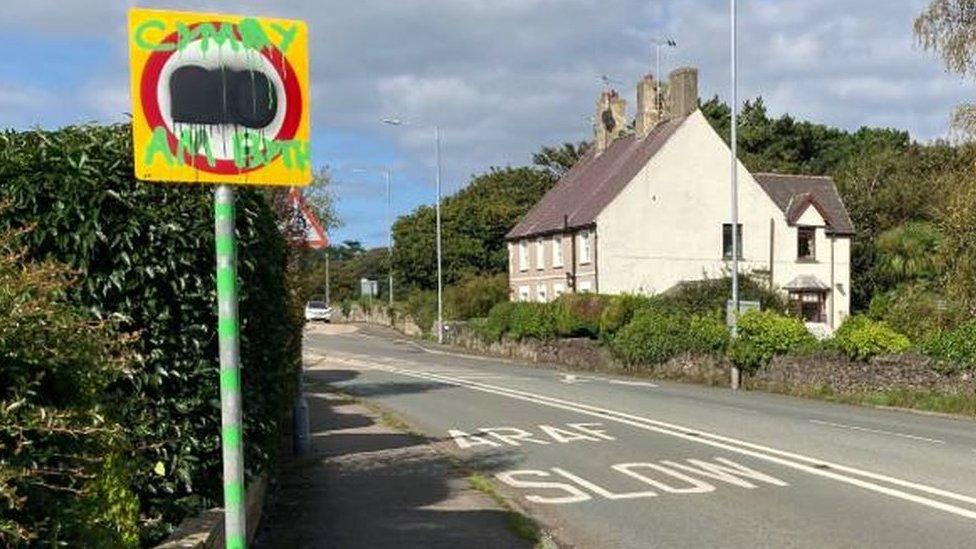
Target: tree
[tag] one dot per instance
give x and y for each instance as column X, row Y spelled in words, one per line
column 558, row 160
column 909, row 253
column 948, row 28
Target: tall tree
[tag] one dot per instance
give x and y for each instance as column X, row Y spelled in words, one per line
column 558, row 160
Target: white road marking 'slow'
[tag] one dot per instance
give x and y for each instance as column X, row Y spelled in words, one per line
column 877, row 431
column 819, row 467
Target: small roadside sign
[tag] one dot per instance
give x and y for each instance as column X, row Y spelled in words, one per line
column 315, row 236
column 219, row 98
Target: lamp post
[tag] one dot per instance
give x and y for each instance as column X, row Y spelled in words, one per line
column 735, row 188
column 440, row 285
column 388, row 174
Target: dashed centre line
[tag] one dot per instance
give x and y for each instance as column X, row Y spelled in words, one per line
column 877, row 431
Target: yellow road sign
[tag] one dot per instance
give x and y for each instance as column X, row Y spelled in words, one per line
column 219, row 98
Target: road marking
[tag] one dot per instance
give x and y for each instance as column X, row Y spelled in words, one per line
column 878, row 431
column 817, row 466
column 632, row 383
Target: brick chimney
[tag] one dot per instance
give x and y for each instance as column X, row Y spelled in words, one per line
column 611, row 119
column 648, row 108
column 682, row 92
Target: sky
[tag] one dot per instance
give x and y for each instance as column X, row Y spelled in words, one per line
column 501, row 78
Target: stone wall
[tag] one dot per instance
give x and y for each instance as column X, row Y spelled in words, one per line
column 378, row 316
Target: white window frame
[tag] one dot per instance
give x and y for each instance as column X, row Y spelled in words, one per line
column 585, row 287
column 540, row 254
column 558, row 289
column 523, row 293
column 523, row 255
column 541, row 293
column 584, row 238
column 557, row 251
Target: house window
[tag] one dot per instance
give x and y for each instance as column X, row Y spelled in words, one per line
column 540, row 254
column 585, row 287
column 558, row 289
column 557, row 251
column 540, row 293
column 523, row 256
column 806, row 241
column 523, row 293
column 584, row 247
column 727, row 240
column 809, row 304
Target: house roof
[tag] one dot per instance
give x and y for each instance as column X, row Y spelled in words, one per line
column 806, row 282
column 593, row 183
column 794, row 193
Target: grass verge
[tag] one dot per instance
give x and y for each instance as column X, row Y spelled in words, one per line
column 958, row 404
column 521, row 525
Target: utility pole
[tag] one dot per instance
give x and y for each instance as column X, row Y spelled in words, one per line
column 389, row 235
column 328, row 252
column 735, row 189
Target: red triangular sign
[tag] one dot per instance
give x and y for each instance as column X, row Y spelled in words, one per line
column 315, row 236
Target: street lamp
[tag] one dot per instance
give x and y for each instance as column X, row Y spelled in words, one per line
column 440, row 285
column 388, row 174
column 733, row 46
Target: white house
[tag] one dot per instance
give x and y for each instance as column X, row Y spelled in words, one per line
column 646, row 209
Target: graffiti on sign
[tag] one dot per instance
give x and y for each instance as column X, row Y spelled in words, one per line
column 219, row 98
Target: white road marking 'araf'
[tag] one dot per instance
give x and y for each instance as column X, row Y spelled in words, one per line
column 877, row 431
column 564, row 435
column 513, row 437
column 813, row 466
column 588, row 428
column 464, row 440
column 511, row 478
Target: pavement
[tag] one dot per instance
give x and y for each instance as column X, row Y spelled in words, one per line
column 606, row 461
column 367, row 483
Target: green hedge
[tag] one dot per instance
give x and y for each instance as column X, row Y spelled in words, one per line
column 579, row 315
column 861, row 338
column 58, row 433
column 954, row 349
column 763, row 335
column 145, row 255
column 535, row 320
column 656, row 334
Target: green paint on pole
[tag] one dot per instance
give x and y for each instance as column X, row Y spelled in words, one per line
column 230, row 380
column 233, row 493
column 225, row 245
column 235, row 542
column 232, row 436
column 227, row 327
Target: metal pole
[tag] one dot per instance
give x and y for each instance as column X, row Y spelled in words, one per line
column 657, row 85
column 328, row 300
column 389, row 239
column 735, row 191
column 440, row 288
column 228, row 333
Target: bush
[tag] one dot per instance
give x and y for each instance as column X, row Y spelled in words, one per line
column 917, row 310
column 421, row 306
column 474, row 296
column 147, row 254
column 656, row 334
column 579, row 315
column 955, row 348
column 497, row 323
column 861, row 338
column 710, row 296
column 63, row 480
column 537, row 320
column 618, row 311
column 763, row 335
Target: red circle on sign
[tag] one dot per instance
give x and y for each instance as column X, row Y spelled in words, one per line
column 149, row 86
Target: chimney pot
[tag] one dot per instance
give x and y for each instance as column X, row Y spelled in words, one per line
column 648, row 108
column 611, row 119
column 682, row 92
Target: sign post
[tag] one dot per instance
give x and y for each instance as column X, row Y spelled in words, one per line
column 221, row 99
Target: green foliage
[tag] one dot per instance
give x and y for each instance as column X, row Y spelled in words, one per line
column 909, row 252
column 619, row 310
column 474, row 296
column 474, row 224
column 146, row 254
column 497, row 323
column 579, row 315
column 920, row 311
column 710, row 296
column 421, row 307
column 558, row 160
column 656, row 334
column 958, row 246
column 62, row 480
column 763, row 335
column 955, row 348
column 535, row 320
column 861, row 338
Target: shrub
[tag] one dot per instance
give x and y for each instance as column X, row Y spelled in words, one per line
column 656, row 334
column 710, row 296
column 579, row 315
column 917, row 310
column 497, row 323
column 147, row 254
column 63, row 480
column 536, row 320
column 474, row 296
column 618, row 311
column 763, row 335
column 861, row 338
column 954, row 348
column 421, row 306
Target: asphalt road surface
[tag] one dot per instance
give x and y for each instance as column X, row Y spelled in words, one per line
column 602, row 461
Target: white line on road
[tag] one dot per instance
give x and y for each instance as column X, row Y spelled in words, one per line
column 817, row 466
column 877, row 431
column 633, row 383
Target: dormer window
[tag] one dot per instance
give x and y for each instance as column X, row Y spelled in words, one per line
column 806, row 243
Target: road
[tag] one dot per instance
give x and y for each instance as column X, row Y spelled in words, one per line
column 604, row 461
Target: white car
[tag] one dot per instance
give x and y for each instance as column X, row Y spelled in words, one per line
column 318, row 310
